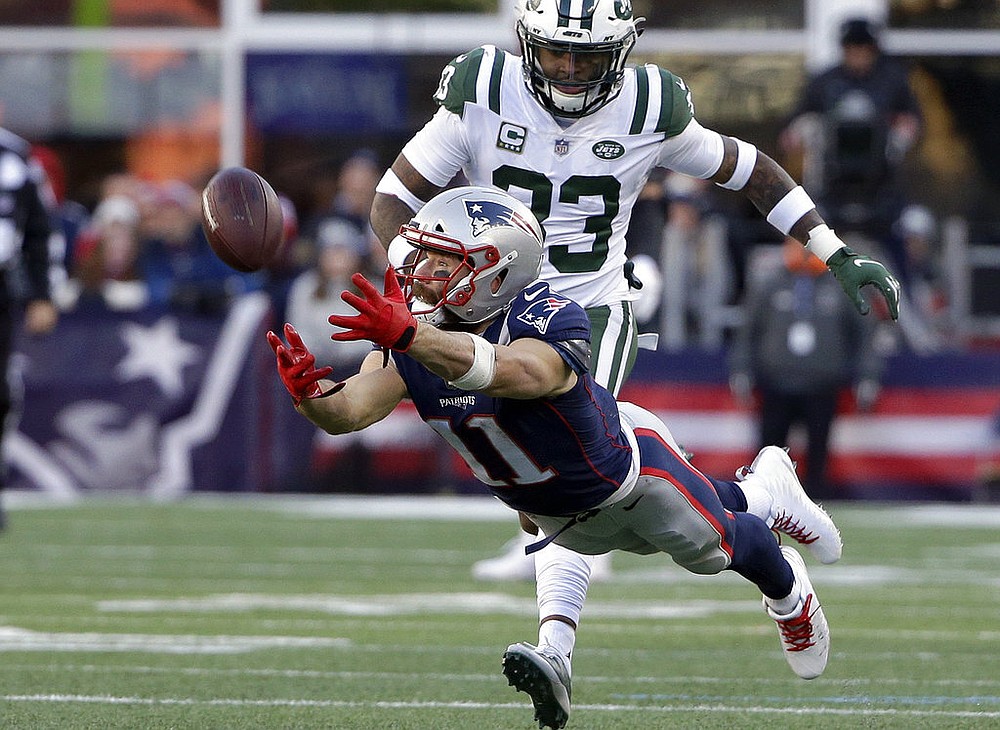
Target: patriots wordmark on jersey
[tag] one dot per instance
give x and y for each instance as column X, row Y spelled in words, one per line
column 545, row 456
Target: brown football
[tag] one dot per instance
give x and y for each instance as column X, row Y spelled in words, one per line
column 241, row 217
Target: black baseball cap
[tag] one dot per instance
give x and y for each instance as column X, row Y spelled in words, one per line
column 858, row 32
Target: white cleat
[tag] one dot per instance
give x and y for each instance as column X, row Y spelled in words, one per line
column 793, row 513
column 804, row 633
column 544, row 675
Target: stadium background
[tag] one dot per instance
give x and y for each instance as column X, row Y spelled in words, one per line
column 172, row 89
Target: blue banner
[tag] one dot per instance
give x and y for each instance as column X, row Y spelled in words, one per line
column 147, row 401
column 327, row 93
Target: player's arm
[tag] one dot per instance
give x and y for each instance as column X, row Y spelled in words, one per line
column 364, row 399
column 737, row 165
column 336, row 407
column 768, row 183
column 525, row 369
column 399, row 195
column 788, row 207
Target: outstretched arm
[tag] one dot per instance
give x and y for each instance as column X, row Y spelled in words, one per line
column 789, row 209
column 526, row 368
column 336, row 407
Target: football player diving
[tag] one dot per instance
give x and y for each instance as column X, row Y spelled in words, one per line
column 498, row 364
column 570, row 129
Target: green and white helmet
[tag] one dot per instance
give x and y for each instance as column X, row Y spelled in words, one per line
column 591, row 38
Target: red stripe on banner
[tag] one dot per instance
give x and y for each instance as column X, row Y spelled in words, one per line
column 944, row 402
column 679, row 397
column 895, row 469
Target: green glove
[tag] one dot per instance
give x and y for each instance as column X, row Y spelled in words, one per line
column 854, row 272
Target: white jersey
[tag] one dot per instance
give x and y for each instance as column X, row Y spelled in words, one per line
column 580, row 180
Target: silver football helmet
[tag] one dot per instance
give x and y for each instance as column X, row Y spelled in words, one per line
column 574, row 51
column 498, row 241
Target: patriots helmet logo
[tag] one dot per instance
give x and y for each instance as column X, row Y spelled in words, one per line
column 539, row 315
column 486, row 215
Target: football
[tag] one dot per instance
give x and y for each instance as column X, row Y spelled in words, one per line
column 241, row 217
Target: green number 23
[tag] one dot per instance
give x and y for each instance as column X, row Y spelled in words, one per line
column 575, row 187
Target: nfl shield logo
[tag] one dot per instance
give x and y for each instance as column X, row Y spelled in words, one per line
column 562, row 147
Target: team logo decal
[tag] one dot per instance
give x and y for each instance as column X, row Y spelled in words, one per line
column 511, row 137
column 487, row 215
column 541, row 312
column 623, row 9
column 608, row 149
column 561, row 147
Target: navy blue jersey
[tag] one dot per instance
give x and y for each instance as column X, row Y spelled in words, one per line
column 552, row 456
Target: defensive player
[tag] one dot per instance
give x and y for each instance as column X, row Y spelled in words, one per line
column 573, row 132
column 502, row 373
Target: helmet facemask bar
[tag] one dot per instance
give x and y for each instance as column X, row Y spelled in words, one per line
column 458, row 286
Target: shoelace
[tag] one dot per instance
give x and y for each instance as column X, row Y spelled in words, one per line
column 797, row 632
column 790, row 526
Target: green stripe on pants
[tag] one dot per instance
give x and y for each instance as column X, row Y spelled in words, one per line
column 613, row 344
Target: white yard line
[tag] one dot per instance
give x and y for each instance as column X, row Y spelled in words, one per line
column 417, row 705
column 473, row 508
column 682, row 680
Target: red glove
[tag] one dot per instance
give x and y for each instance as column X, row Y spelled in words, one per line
column 383, row 319
column 296, row 366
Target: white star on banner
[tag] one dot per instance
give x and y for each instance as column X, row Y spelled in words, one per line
column 157, row 353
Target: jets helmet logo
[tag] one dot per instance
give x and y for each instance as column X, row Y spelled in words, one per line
column 540, row 314
column 623, row 9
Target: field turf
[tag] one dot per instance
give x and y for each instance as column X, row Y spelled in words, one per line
column 344, row 613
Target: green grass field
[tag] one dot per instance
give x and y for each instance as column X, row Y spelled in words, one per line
column 329, row 613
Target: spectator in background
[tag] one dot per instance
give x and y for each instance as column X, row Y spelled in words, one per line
column 931, row 325
column 352, row 203
column 315, row 295
column 865, row 118
column 106, row 261
column 695, row 264
column 289, row 260
column 70, row 216
column 801, row 343
column 177, row 263
column 27, row 222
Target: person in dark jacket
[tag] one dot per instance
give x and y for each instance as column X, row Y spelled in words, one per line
column 800, row 345
column 864, row 117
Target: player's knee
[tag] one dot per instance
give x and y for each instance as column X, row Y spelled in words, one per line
column 705, row 559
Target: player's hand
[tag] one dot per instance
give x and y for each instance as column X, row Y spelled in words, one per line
column 297, row 366
column 382, row 318
column 854, row 272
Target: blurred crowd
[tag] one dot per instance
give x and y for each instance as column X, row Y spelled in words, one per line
column 143, row 246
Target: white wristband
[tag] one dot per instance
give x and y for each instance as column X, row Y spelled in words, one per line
column 392, row 185
column 746, row 160
column 823, row 242
column 484, row 366
column 790, row 209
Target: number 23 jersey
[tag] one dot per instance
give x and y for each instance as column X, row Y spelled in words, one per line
column 553, row 456
column 581, row 180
